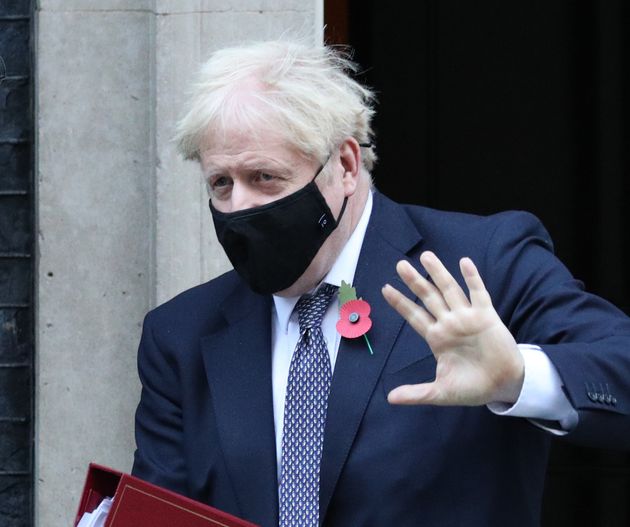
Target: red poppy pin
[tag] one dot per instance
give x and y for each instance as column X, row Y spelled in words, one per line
column 354, row 315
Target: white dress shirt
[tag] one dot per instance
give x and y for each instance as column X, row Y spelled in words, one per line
column 541, row 396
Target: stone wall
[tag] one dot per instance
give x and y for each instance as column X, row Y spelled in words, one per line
column 122, row 220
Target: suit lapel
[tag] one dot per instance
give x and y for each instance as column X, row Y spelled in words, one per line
column 389, row 237
column 237, row 359
column 238, row 366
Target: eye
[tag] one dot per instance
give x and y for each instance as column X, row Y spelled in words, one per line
column 219, row 182
column 265, row 177
column 219, row 186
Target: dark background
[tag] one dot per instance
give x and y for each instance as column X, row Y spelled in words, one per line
column 493, row 105
column 16, row 265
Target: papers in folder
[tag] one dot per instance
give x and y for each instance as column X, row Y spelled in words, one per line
column 98, row 517
column 116, row 499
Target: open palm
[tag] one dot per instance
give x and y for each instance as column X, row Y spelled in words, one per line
column 478, row 360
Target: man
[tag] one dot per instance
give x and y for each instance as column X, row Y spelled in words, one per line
column 253, row 402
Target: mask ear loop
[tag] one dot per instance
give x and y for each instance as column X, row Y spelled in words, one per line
column 345, row 200
column 343, row 208
column 321, row 167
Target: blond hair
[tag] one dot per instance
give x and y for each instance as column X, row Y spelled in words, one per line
column 303, row 92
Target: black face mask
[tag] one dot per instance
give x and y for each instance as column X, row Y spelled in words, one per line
column 271, row 246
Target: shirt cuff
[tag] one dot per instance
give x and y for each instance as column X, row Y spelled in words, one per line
column 542, row 399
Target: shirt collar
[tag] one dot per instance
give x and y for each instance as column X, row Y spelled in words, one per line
column 343, row 269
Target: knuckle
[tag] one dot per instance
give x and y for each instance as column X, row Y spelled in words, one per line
column 419, row 285
column 416, row 319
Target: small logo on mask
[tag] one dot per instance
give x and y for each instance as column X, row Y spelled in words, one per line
column 322, row 221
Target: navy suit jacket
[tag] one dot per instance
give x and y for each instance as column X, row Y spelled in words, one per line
column 205, row 428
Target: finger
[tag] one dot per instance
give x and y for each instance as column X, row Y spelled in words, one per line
column 410, row 394
column 425, row 290
column 419, row 319
column 444, row 281
column 479, row 295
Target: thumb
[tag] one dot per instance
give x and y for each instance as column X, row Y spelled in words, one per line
column 426, row 393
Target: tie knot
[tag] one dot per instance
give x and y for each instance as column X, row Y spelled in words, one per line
column 311, row 308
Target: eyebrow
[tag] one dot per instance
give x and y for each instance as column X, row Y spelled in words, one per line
column 256, row 165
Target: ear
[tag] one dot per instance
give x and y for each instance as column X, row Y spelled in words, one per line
column 350, row 159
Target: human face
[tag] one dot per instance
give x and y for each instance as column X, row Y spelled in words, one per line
column 243, row 173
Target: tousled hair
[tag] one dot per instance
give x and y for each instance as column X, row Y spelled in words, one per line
column 303, row 92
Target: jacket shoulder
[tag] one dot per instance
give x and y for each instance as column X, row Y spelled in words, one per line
column 196, row 307
column 434, row 222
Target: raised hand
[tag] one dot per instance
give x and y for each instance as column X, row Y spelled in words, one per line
column 478, row 361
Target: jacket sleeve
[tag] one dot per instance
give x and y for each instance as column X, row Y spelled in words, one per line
column 158, row 456
column 586, row 337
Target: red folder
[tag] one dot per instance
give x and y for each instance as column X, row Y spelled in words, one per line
column 141, row 504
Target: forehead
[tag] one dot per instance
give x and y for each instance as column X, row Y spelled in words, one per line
column 241, row 147
column 232, row 139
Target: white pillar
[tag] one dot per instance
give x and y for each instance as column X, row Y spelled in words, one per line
column 123, row 222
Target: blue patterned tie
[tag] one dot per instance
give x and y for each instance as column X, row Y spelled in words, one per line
column 305, row 415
